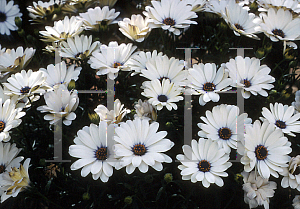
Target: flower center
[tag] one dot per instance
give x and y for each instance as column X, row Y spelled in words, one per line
column 117, row 64
column 169, row 21
column 238, row 26
column 278, row 32
column 2, row 168
column 261, row 152
column 247, row 83
column 224, row 133
column 280, row 124
column 209, row 86
column 2, row 126
column 162, row 98
column 204, row 166
column 101, row 153
column 2, row 17
column 25, row 90
column 139, row 149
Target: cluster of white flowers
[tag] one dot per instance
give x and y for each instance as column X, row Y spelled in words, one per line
column 137, row 143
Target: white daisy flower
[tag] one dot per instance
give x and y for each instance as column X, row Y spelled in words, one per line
column 136, row 28
column 9, row 118
column 41, row 11
column 8, row 13
column 162, row 94
column 15, row 60
column 279, row 25
column 139, row 145
column 216, row 6
column 8, row 156
column 97, row 17
column 286, row 4
column 170, row 15
column 15, row 180
column 249, row 75
column 291, row 175
column 62, row 30
column 111, row 59
column 60, row 103
column 162, row 67
column 79, row 47
column 258, row 191
column 138, row 61
column 296, row 202
column 296, row 103
column 221, row 125
column 208, row 81
column 112, row 116
column 266, row 149
column 93, row 145
column 283, row 118
column 197, row 5
column 59, row 74
column 204, row 161
column 145, row 110
column 240, row 21
column 26, row 84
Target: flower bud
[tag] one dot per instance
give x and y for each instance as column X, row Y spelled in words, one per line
column 260, row 53
column 128, row 200
column 268, row 47
column 21, row 33
column 94, row 117
column 71, row 85
column 18, row 22
column 86, row 196
column 168, row 177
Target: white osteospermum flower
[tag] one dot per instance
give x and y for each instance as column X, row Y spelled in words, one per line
column 93, row 145
column 162, row 67
column 287, row 4
column 8, row 156
column 266, row 149
column 197, row 5
column 241, row 21
column 15, row 60
column 296, row 202
column 61, row 104
column 97, row 17
column 26, row 84
column 205, row 162
column 139, row 145
column 296, row 103
column 208, row 81
column 249, row 75
column 279, row 25
column 112, row 116
column 79, row 47
column 59, row 74
column 291, row 175
column 162, row 94
column 136, row 28
column 62, row 30
column 283, row 118
column 222, row 125
column 41, row 11
column 217, row 6
column 170, row 15
column 138, row 61
column 258, row 191
column 111, row 59
column 145, row 110
column 8, row 13
column 15, row 180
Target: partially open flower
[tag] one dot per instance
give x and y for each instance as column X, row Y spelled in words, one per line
column 41, row 12
column 15, row 181
column 135, row 28
column 292, row 174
